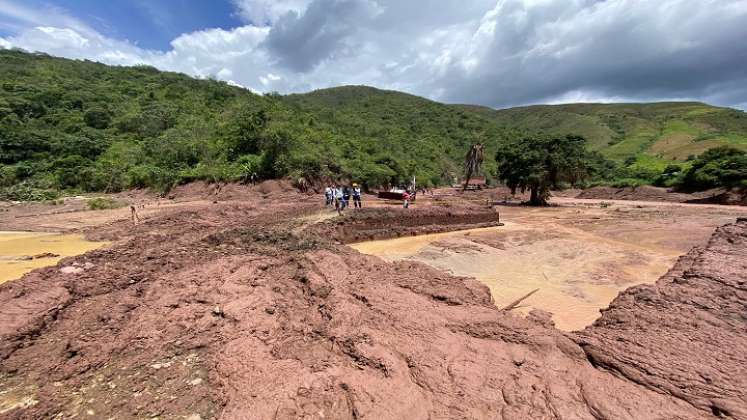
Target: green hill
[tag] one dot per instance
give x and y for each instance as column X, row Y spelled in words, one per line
column 656, row 134
column 84, row 126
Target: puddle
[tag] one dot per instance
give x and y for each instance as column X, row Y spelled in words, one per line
column 16, row 247
column 577, row 272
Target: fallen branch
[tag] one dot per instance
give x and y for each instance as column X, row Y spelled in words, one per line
column 516, row 303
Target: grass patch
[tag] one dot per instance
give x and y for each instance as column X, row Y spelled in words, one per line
column 104, row 203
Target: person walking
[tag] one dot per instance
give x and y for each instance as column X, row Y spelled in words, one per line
column 406, row 199
column 357, row 196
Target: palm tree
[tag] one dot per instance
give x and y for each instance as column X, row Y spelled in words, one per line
column 472, row 162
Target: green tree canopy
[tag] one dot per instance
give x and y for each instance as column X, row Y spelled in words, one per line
column 719, row 167
column 539, row 163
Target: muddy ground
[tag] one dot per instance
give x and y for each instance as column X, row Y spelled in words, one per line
column 242, row 303
column 578, row 256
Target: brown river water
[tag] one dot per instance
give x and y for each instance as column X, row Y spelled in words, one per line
column 17, row 247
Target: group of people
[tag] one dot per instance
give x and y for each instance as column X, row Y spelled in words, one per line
column 340, row 196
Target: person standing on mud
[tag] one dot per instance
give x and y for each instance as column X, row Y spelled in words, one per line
column 339, row 203
column 345, row 196
column 357, row 196
column 328, row 197
column 406, row 199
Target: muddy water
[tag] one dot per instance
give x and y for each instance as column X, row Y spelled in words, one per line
column 577, row 272
column 17, row 247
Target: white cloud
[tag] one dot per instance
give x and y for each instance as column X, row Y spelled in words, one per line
column 496, row 53
column 267, row 12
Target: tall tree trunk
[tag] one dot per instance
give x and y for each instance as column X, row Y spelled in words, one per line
column 466, row 181
column 537, row 196
column 534, row 196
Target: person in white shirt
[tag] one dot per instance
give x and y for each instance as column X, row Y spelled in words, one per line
column 328, row 196
column 357, row 196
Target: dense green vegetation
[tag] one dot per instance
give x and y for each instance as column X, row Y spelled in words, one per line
column 86, row 126
column 644, row 137
column 718, row 167
column 539, row 163
column 75, row 126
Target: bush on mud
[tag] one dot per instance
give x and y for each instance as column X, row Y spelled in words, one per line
column 104, row 203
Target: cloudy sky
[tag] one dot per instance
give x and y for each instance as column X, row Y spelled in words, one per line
column 497, row 53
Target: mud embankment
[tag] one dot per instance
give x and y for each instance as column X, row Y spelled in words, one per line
column 227, row 313
column 383, row 223
column 649, row 193
column 685, row 335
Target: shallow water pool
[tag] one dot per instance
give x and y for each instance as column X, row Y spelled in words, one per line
column 17, row 251
column 577, row 272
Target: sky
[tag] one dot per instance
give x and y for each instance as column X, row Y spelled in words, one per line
column 497, row 53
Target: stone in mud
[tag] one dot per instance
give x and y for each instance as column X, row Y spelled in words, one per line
column 71, row 270
column 45, row 255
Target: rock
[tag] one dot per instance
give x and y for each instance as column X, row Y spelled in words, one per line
column 270, row 310
column 217, row 311
column 71, row 270
column 158, row 366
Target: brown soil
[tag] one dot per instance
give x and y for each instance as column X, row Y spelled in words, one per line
column 238, row 309
column 642, row 193
column 657, row 194
column 379, row 223
column 685, row 335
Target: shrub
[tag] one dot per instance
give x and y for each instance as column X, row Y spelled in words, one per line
column 24, row 192
column 104, row 203
column 719, row 167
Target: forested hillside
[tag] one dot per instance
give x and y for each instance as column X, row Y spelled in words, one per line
column 84, row 126
column 81, row 125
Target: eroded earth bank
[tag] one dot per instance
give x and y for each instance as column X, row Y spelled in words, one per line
column 250, row 307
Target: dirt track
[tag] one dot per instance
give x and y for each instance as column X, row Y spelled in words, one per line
column 240, row 309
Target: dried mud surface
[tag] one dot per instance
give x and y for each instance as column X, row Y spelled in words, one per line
column 239, row 310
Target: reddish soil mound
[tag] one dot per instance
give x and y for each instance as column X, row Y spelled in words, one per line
column 231, row 191
column 642, row 193
column 721, row 196
column 377, row 223
column 227, row 313
column 685, row 335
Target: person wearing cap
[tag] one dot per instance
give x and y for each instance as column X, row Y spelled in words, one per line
column 357, row 196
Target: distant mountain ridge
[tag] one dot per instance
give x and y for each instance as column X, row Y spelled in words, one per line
column 72, row 124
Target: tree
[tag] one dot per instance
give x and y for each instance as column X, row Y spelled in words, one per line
column 719, row 167
column 97, row 118
column 472, row 162
column 539, row 163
